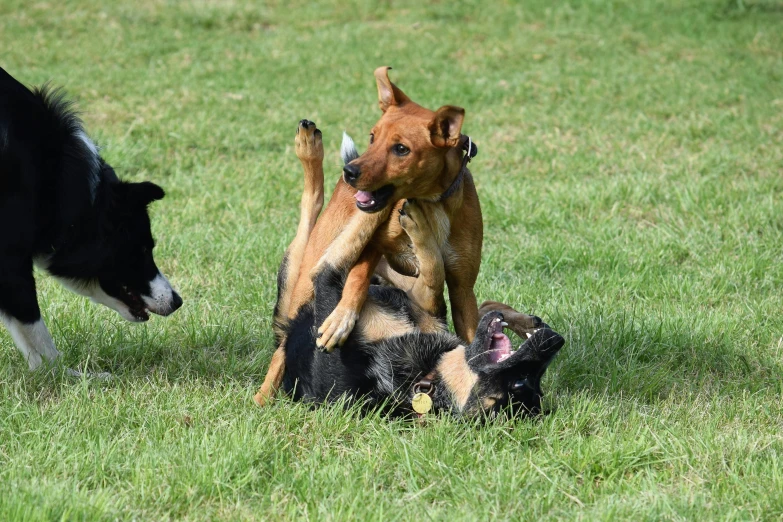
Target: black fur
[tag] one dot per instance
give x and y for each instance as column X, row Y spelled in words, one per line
column 386, row 371
column 63, row 206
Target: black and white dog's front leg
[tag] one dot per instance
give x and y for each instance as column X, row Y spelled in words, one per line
column 33, row 340
column 20, row 313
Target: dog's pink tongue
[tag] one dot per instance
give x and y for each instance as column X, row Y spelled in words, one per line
column 363, row 197
column 500, row 348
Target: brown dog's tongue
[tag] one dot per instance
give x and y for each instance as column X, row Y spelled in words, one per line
column 363, row 197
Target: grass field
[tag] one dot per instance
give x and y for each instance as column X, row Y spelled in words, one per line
column 630, row 174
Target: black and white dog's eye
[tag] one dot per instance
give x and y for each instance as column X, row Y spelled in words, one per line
column 400, row 150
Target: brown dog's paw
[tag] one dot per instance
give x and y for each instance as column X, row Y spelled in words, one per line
column 412, row 220
column 309, row 146
column 336, row 328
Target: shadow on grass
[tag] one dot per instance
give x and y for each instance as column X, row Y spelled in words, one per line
column 232, row 353
column 649, row 358
column 606, row 353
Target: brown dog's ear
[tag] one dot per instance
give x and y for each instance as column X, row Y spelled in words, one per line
column 388, row 93
column 445, row 128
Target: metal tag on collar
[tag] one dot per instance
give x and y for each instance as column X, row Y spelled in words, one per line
column 422, row 403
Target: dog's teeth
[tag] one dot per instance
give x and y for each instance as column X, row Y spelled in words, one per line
column 529, row 335
column 503, row 324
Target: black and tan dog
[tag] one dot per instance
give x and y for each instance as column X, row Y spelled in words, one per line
column 400, row 346
column 413, row 153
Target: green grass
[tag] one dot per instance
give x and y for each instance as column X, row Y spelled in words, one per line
column 630, row 175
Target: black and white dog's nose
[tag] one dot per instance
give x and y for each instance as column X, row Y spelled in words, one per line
column 176, row 301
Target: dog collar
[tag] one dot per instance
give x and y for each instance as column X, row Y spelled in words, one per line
column 422, row 394
column 471, row 150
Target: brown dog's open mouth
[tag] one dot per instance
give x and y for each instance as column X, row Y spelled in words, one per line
column 375, row 200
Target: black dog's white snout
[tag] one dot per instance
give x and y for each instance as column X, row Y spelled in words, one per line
column 162, row 298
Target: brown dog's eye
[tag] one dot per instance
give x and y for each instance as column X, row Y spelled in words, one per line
column 372, row 138
column 400, row 150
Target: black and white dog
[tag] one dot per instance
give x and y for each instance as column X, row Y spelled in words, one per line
column 63, row 209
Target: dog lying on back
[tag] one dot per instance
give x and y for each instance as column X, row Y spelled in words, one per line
column 399, row 349
column 413, row 153
column 64, row 209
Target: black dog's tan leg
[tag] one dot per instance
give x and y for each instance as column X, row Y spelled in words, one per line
column 427, row 291
column 521, row 324
column 310, row 151
column 274, row 376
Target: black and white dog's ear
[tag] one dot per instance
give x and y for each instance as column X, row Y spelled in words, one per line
column 143, row 193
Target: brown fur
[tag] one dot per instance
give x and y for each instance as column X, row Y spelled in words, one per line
column 457, row 375
column 519, row 323
column 425, row 173
column 348, row 238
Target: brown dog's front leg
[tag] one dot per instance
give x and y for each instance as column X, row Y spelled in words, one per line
column 464, row 309
column 345, row 250
column 338, row 326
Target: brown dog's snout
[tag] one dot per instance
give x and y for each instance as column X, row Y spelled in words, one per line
column 351, row 173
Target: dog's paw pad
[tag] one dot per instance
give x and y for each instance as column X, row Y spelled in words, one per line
column 309, row 145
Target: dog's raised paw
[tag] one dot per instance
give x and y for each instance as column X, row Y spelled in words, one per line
column 412, row 219
column 309, row 145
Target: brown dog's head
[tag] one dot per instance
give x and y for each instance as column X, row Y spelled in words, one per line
column 413, row 151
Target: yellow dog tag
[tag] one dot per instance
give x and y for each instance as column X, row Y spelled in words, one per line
column 422, row 403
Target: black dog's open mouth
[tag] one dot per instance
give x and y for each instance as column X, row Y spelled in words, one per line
column 498, row 343
column 375, row 200
column 135, row 304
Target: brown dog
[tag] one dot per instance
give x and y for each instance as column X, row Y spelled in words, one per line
column 393, row 360
column 413, row 153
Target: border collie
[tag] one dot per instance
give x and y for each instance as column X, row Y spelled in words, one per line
column 63, row 209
